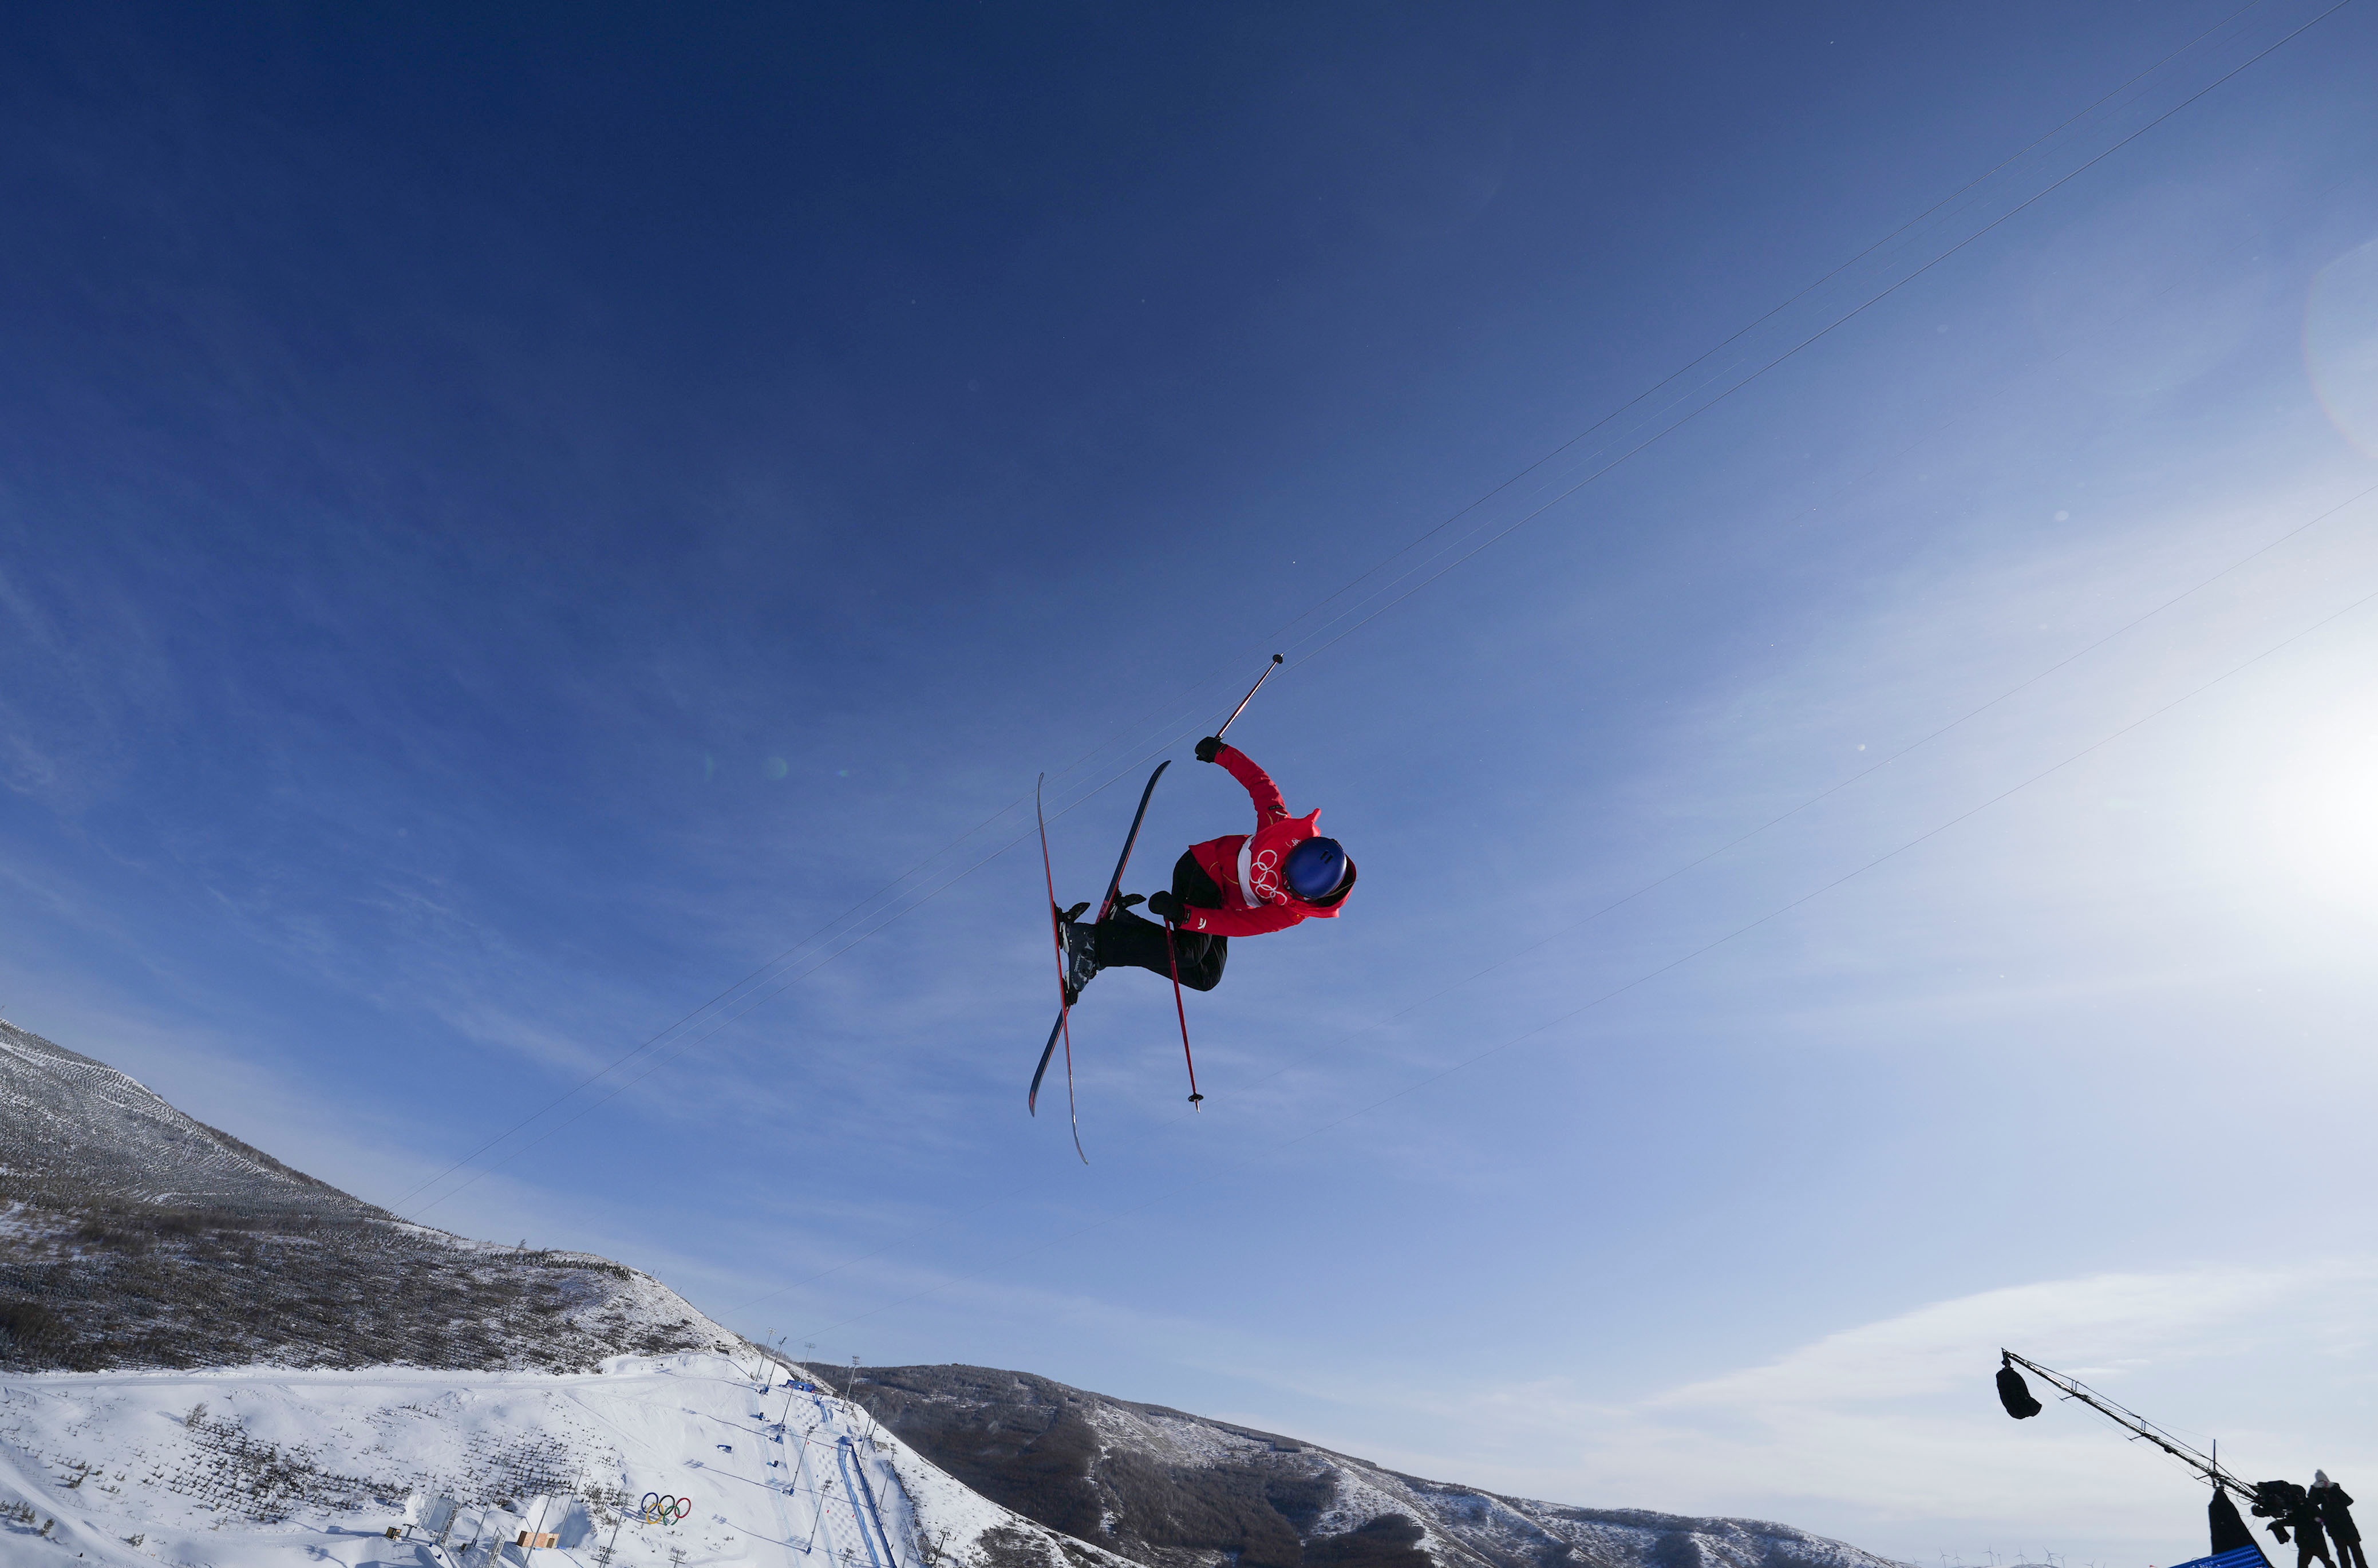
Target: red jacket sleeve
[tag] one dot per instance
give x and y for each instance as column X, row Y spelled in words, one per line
column 1270, row 805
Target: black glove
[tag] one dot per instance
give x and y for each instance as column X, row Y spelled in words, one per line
column 1209, row 748
column 1164, row 906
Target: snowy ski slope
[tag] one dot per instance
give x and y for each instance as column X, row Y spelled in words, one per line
column 262, row 1467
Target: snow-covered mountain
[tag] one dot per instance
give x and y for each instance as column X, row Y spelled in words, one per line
column 206, row 1357
column 211, row 1359
column 1176, row 1490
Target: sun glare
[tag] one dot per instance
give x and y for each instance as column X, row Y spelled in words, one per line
column 2323, row 811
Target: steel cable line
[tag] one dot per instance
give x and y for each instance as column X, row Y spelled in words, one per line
column 1771, row 314
column 2242, row 561
column 1183, row 704
column 1283, row 631
column 1886, row 855
column 715, row 1001
column 2012, row 691
column 622, row 1061
column 1915, row 745
column 1822, row 332
column 1943, row 729
column 1465, row 555
column 1648, row 976
column 2005, row 696
column 1936, row 733
column 750, row 1004
column 1868, row 304
column 780, row 958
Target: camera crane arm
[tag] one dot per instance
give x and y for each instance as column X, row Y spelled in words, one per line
column 2208, row 1470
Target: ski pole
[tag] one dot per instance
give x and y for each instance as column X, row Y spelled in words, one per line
column 1276, row 660
column 1173, row 956
column 1171, row 948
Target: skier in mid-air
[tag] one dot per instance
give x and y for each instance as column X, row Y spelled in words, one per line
column 1239, row 885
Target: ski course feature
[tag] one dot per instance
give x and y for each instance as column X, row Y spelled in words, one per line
column 274, row 1468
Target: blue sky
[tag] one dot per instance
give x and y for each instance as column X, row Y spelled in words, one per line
column 510, row 526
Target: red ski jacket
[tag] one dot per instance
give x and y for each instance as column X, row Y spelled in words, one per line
column 1246, row 867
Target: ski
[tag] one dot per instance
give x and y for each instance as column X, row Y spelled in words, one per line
column 1114, row 883
column 1064, row 1002
column 1061, row 1029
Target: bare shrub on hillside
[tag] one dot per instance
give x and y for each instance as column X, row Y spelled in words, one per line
column 135, row 1237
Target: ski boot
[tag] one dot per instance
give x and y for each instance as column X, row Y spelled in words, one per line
column 1119, row 915
column 1080, row 941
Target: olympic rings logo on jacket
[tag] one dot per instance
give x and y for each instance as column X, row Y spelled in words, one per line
column 1259, row 874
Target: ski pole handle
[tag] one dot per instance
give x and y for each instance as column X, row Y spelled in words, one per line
column 1276, row 660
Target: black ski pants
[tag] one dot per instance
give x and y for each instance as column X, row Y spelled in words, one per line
column 1127, row 940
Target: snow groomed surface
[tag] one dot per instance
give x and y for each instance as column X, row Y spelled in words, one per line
column 260, row 1467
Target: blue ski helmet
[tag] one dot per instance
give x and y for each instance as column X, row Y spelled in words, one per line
column 1316, row 867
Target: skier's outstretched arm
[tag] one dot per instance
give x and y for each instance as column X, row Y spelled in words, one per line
column 1270, row 805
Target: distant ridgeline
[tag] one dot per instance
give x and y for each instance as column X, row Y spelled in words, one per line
column 1176, row 1490
column 133, row 1236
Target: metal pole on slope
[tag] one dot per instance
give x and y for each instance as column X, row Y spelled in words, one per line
column 1276, row 660
column 817, row 1520
column 866, row 1416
